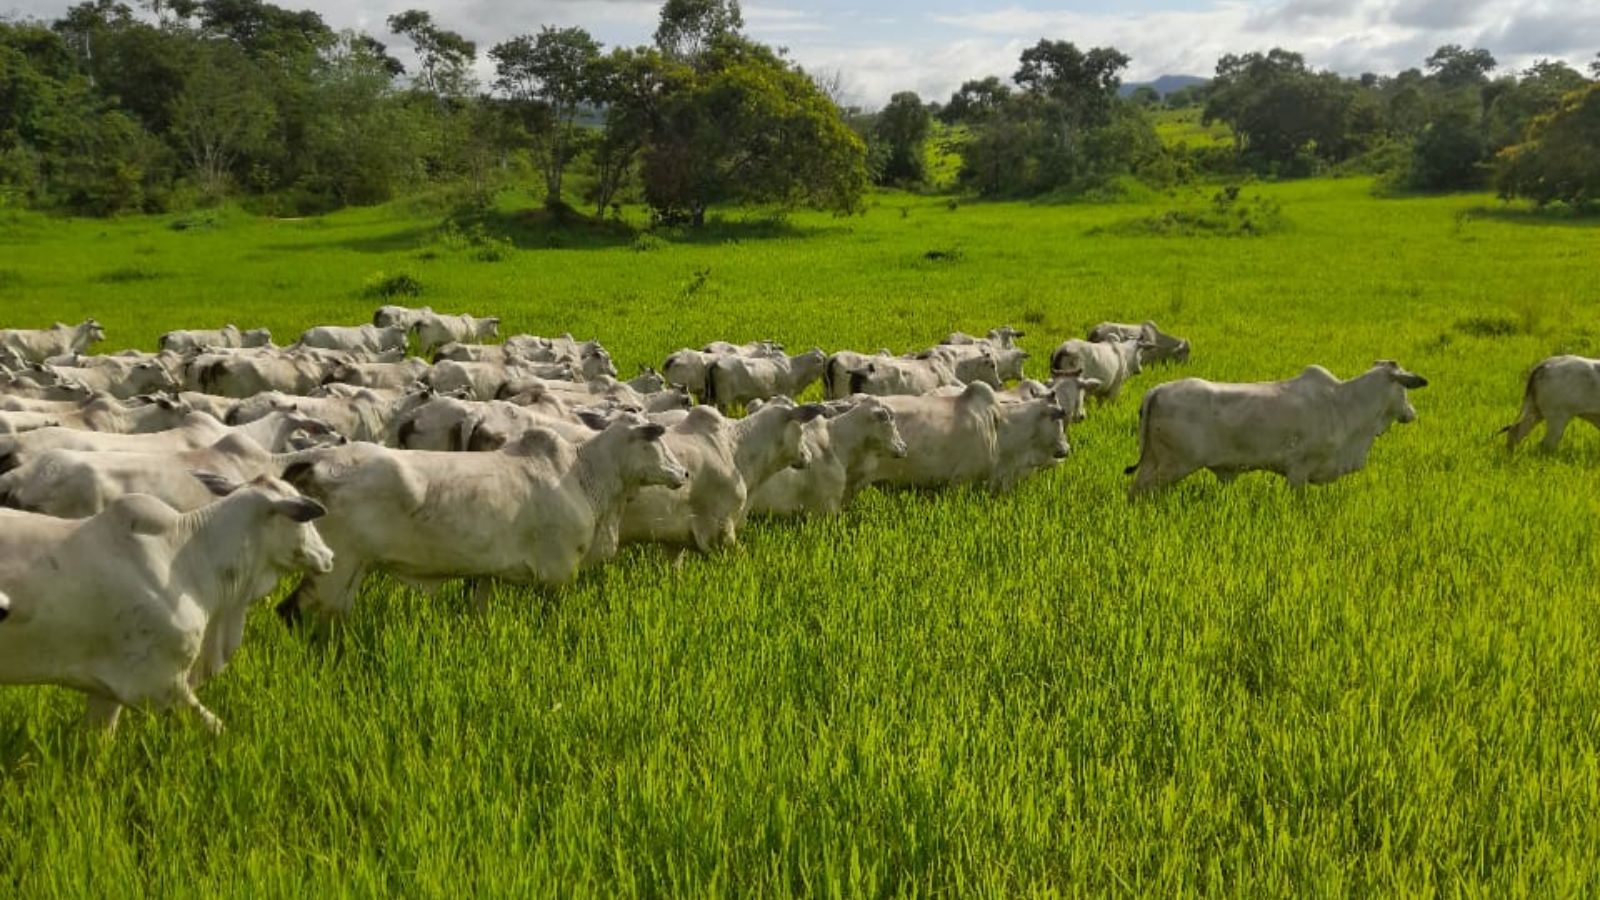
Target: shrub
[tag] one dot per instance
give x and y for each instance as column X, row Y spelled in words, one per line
column 386, row 286
column 1226, row 216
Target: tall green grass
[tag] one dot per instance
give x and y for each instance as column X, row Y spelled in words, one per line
column 1384, row 686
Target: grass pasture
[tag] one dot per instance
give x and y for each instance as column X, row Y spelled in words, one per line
column 1389, row 685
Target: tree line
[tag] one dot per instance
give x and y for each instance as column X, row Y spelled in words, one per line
column 109, row 110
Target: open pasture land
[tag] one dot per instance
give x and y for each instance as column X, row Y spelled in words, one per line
column 1387, row 685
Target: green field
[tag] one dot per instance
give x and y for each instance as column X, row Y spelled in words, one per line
column 1183, row 127
column 1385, row 686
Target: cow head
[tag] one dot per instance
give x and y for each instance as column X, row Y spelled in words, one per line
column 882, row 435
column 90, row 333
column 648, row 381
column 794, row 445
column 595, row 362
column 279, row 526
column 1070, row 389
column 1399, row 405
column 640, row 455
column 256, row 337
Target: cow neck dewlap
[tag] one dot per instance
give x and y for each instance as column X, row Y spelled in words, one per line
column 600, row 484
column 748, row 443
column 203, row 561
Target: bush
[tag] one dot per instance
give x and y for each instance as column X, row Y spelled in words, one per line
column 1558, row 162
column 1226, row 216
column 388, row 287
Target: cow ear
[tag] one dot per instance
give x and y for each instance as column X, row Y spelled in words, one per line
column 651, row 432
column 807, row 413
column 216, row 484
column 1412, row 381
column 882, row 414
column 300, row 509
column 1090, row 384
column 593, row 420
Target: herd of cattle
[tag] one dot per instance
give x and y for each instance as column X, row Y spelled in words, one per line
column 152, row 497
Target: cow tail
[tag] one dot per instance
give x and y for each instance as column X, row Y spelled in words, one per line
column 711, row 384
column 1146, row 410
column 1530, row 402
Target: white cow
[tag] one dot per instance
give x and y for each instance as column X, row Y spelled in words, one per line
column 687, row 368
column 488, row 381
column 278, row 432
column 1004, row 337
column 433, row 330
column 844, row 450
column 190, row 342
column 1110, row 364
column 144, row 377
column 401, row 316
column 1160, row 347
column 900, row 376
column 972, row 438
column 456, row 425
column 979, row 362
column 363, row 416
column 368, row 338
column 535, row 512
column 1311, row 429
column 736, row 380
column 1560, row 389
column 140, row 605
column 836, row 374
column 387, row 376
column 19, row 422
column 76, row 484
column 727, row 460
column 36, row 346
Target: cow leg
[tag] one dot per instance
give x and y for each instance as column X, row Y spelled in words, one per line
column 1520, row 428
column 1554, row 427
column 100, row 713
column 482, row 593
column 1153, row 477
column 1226, row 476
column 208, row 719
column 333, row 593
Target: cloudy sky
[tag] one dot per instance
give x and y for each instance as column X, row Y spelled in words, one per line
column 931, row 46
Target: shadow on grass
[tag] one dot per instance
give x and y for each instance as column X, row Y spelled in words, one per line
column 1558, row 217
column 543, row 229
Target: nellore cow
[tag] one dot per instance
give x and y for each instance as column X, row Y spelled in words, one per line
column 1311, row 429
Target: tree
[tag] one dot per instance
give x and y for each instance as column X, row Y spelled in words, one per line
column 555, row 69
column 977, row 101
column 443, row 55
column 688, row 28
column 1145, row 96
column 1447, row 153
column 902, row 129
column 631, row 85
column 1557, row 162
column 221, row 114
column 748, row 126
column 262, row 29
column 1518, row 101
column 1284, row 116
column 1455, row 67
column 1594, row 67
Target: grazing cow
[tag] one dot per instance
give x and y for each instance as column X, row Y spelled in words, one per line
column 278, row 432
column 368, row 338
column 399, row 316
column 1110, row 364
column 972, row 438
column 146, row 377
column 1559, row 389
column 1159, row 346
column 141, row 605
column 727, row 461
column 900, row 376
column 736, row 380
column 188, row 343
column 433, row 330
column 1312, row 429
column 844, row 450
column 687, row 368
column 387, row 376
column 535, row 512
column 76, row 484
column 36, row 346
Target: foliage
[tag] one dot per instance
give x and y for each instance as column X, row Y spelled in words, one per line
column 553, row 73
column 902, row 131
column 1227, row 215
column 1558, row 161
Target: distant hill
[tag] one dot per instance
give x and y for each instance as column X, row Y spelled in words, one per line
column 1166, row 84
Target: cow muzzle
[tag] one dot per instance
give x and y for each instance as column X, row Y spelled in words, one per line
column 317, row 559
column 677, row 477
column 899, row 450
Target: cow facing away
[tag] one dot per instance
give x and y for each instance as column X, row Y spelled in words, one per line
column 533, row 513
column 971, row 437
column 1311, row 429
column 1160, row 347
column 190, row 342
column 736, row 380
column 141, row 605
column 368, row 338
column 1560, row 389
column 433, row 331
